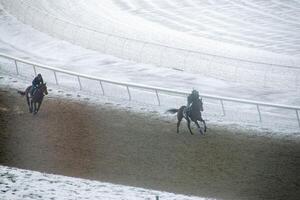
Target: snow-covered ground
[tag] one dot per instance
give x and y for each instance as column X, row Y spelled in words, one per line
column 19, row 184
column 268, row 26
column 252, row 30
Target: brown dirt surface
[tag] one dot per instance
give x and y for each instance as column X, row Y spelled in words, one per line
column 120, row 146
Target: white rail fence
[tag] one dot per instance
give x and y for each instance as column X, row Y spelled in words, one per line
column 158, row 91
column 111, row 41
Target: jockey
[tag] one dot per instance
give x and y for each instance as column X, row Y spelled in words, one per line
column 37, row 81
column 191, row 98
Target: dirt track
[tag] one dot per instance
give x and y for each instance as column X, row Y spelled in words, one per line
column 118, row 146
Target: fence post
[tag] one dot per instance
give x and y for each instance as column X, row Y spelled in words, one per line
column 34, row 69
column 129, row 95
column 158, row 100
column 223, row 108
column 258, row 110
column 55, row 77
column 298, row 118
column 102, row 88
column 17, row 69
column 80, row 86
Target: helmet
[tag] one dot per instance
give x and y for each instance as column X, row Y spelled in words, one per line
column 39, row 75
column 195, row 93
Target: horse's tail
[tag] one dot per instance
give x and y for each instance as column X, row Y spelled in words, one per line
column 21, row 92
column 172, row 111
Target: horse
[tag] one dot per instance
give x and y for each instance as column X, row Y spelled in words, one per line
column 193, row 115
column 34, row 102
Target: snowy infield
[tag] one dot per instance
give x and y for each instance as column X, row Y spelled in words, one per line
column 20, row 184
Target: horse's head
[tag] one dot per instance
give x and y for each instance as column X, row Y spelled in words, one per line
column 201, row 105
column 43, row 88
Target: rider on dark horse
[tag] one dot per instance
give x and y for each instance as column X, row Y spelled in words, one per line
column 194, row 96
column 191, row 112
column 37, row 81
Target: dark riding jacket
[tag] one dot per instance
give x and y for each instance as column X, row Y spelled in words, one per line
column 190, row 99
column 37, row 81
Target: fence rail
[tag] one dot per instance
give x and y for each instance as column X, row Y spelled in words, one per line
column 156, row 90
column 139, row 50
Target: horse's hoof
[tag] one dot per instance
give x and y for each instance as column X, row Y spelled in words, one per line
column 200, row 131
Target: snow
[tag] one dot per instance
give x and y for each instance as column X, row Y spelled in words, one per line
column 109, row 27
column 23, row 184
column 249, row 30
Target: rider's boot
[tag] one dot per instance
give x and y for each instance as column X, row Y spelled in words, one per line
column 32, row 92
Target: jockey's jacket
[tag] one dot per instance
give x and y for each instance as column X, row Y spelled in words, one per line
column 190, row 99
column 37, row 81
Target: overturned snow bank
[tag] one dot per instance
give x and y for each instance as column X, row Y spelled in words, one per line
column 26, row 184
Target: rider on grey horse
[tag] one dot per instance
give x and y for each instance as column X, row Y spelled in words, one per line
column 194, row 96
column 37, row 81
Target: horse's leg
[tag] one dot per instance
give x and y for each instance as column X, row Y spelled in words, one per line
column 196, row 122
column 204, row 124
column 39, row 105
column 189, row 125
column 28, row 103
column 179, row 117
column 31, row 106
column 28, row 99
column 34, row 110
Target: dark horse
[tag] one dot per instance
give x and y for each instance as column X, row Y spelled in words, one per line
column 193, row 115
column 34, row 102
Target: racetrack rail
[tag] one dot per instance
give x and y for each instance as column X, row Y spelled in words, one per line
column 156, row 90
